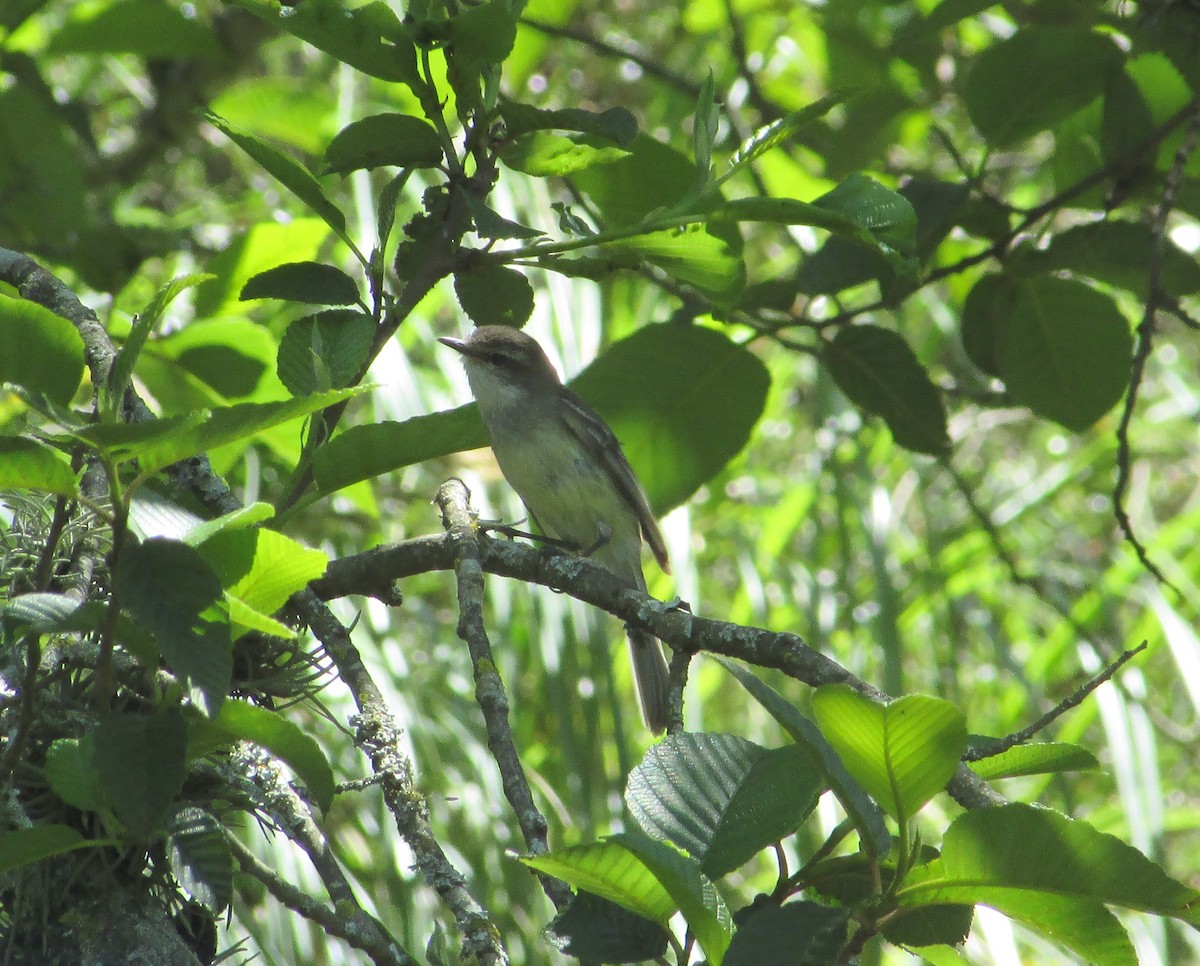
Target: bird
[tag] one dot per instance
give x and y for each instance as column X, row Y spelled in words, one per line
column 571, row 473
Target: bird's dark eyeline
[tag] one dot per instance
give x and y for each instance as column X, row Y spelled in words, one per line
column 571, row 474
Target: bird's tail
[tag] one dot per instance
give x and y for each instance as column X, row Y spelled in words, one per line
column 650, row 673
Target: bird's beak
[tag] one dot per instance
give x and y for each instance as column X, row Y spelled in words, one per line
column 458, row 345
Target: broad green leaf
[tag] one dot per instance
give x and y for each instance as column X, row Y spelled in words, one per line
column 166, row 441
column 42, row 351
column 796, row 934
column 867, row 817
column 692, row 892
column 1036, row 78
column 72, row 774
column 887, row 215
column 616, row 125
column 289, row 172
column 140, row 760
column 654, row 176
column 596, row 929
column 682, row 400
column 309, row 282
column 27, row 845
column 545, row 155
column 488, row 223
column 483, row 34
column 366, row 451
column 491, row 294
column 239, row 721
column 170, row 590
column 985, row 313
column 610, row 870
column 693, row 255
column 199, row 857
column 234, row 357
column 879, row 372
column 720, row 797
column 1015, row 857
column 1064, row 351
column 903, row 753
column 26, row 464
column 384, row 139
column 1040, row 759
column 369, row 38
column 324, row 351
column 146, row 28
column 41, row 612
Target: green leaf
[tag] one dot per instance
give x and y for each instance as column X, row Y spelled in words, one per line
column 26, row 464
column 384, row 139
column 720, row 797
column 289, row 172
column 491, row 294
column 309, row 282
column 369, row 38
column 616, row 125
column 1040, row 759
column 796, row 934
column 326, row 350
column 170, row 590
column 593, row 929
column 42, row 351
column 40, row 842
column 239, row 721
column 72, row 774
column 879, row 372
column 1064, row 350
column 780, row 130
column 612, row 871
column 654, row 176
column 693, row 255
column 235, row 357
column 545, row 155
column 867, row 817
column 260, row 569
column 887, row 215
column 369, row 450
column 146, row 28
column 166, row 441
column 1036, row 78
column 141, row 762
column 903, row 753
column 985, row 313
column 40, row 612
column 483, row 34
column 705, row 123
column 199, row 858
column 490, row 224
column 692, row 892
column 682, row 400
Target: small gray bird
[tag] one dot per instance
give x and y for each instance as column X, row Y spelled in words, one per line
column 571, row 474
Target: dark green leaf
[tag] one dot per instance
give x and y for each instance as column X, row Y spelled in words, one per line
column 140, row 758
column 42, row 350
column 369, row 38
column 40, row 842
column 41, row 612
column 483, row 34
column 489, row 224
column 868, row 819
column 682, row 400
column 325, row 351
column 239, row 721
column 1127, row 123
column 26, row 464
column 947, row 925
column 797, row 934
column 491, row 294
column 309, row 282
column 199, row 858
column 704, row 128
column 596, row 929
column 886, row 214
column 903, row 753
column 544, row 155
column 1064, row 351
column 1036, row 78
column 615, row 125
column 878, row 371
column 654, row 176
column 396, row 139
column 366, row 451
column 720, row 797
column 171, row 591
column 72, row 774
column 985, row 314
column 147, row 28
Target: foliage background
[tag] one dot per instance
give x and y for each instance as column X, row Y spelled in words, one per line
column 996, row 578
